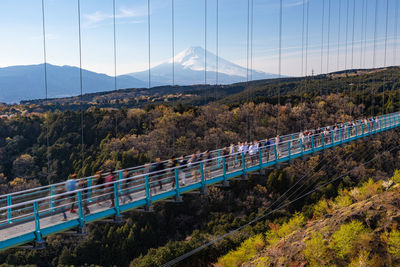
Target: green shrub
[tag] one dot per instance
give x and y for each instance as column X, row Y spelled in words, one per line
column 394, row 244
column 248, row 249
column 295, row 223
column 396, row 177
column 366, row 190
column 316, row 250
column 362, row 259
column 321, row 208
column 261, row 262
column 343, row 200
column 343, row 240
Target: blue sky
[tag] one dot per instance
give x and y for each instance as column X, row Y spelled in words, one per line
column 22, row 43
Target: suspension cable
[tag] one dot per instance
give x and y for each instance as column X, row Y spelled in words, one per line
column 322, row 42
column 374, row 57
column 363, row 21
column 80, row 81
column 251, row 39
column 347, row 31
column 280, row 63
column 205, row 42
column 328, row 46
column 384, row 58
column 149, row 40
column 115, row 66
column 173, row 39
column 338, row 43
column 217, row 46
column 248, row 42
column 45, row 86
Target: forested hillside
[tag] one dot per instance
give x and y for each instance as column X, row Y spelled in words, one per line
column 128, row 136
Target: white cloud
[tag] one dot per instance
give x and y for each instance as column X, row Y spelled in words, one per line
column 94, row 19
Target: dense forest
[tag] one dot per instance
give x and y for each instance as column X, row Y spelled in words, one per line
column 41, row 147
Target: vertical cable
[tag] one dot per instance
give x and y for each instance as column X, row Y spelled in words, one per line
column 173, row 40
column 280, row 63
column 308, row 8
column 384, row 58
column 205, row 42
column 374, row 56
column 149, row 41
column 251, row 39
column 80, row 80
column 217, row 40
column 322, row 42
column 45, row 85
column 328, row 45
column 365, row 32
column 248, row 40
column 115, row 67
column 352, row 38
column 363, row 36
column 302, row 40
column 347, row 31
column 338, row 42
column 396, row 16
column 362, row 32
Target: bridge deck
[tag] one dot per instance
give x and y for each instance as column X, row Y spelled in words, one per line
column 33, row 214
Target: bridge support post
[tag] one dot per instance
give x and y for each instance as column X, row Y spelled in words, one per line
column 203, row 189
column 39, row 242
column 148, row 207
column 178, row 197
column 82, row 223
column 118, row 217
column 260, row 159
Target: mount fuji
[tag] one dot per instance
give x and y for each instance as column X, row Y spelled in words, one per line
column 189, row 69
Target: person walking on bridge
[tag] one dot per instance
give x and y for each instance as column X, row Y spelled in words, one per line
column 71, row 186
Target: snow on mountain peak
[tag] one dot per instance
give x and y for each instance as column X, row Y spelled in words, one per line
column 194, row 58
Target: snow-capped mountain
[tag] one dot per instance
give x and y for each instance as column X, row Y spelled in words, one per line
column 189, row 69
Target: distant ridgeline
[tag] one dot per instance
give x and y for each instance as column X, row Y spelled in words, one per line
column 350, row 82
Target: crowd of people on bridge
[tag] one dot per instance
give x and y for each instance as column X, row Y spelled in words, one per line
column 168, row 173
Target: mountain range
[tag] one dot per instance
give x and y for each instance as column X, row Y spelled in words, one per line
column 27, row 82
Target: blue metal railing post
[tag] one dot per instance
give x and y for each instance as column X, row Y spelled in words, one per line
column 80, row 210
column 322, row 140
column 369, row 128
column 177, row 190
column 38, row 233
column 9, row 209
column 260, row 157
column 355, row 129
column 276, row 153
column 341, row 135
column 301, row 147
column 148, row 196
column 120, row 177
column 224, row 170
column 289, row 150
column 116, row 200
column 348, row 133
column 312, row 144
column 52, row 198
column 332, row 139
column 89, row 194
column 244, row 170
column 219, row 158
column 203, row 180
column 362, row 129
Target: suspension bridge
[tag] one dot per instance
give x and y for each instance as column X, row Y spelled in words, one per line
column 31, row 215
